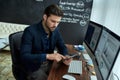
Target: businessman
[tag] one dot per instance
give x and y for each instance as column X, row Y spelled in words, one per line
column 39, row 42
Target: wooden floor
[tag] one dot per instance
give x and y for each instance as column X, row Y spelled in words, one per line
column 5, row 66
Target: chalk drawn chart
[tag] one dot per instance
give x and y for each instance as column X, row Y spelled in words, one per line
column 76, row 17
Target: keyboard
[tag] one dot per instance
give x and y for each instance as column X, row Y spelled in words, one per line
column 75, row 67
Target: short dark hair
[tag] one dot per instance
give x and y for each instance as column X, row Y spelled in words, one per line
column 53, row 9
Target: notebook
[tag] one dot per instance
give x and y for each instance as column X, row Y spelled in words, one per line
column 86, row 57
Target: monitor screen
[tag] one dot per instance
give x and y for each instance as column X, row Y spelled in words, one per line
column 93, row 35
column 106, row 51
column 115, row 73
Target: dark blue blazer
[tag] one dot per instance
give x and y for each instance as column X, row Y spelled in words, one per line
column 32, row 47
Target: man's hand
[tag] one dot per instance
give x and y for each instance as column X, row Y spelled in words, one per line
column 55, row 56
column 67, row 60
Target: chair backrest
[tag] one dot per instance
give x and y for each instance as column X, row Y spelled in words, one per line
column 15, row 41
column 17, row 68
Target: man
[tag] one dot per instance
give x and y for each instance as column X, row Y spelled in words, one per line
column 38, row 44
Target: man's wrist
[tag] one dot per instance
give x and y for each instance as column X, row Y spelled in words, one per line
column 47, row 56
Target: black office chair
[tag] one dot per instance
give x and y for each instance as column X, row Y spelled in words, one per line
column 17, row 68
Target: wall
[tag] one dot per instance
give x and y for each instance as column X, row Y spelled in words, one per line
column 106, row 13
column 23, row 11
column 73, row 25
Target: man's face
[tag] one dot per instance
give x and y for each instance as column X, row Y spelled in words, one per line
column 52, row 21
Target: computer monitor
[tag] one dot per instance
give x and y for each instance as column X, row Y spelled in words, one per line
column 93, row 34
column 115, row 72
column 107, row 51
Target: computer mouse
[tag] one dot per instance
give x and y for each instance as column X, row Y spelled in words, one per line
column 68, row 77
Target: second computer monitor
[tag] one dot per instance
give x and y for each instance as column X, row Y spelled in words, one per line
column 115, row 72
column 107, row 51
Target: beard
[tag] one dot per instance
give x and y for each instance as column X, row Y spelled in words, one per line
column 50, row 29
column 47, row 26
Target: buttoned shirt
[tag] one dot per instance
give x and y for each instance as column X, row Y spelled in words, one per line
column 36, row 44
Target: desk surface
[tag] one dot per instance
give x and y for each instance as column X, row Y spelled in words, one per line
column 59, row 69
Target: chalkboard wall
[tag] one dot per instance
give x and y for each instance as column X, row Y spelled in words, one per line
column 23, row 11
column 74, row 23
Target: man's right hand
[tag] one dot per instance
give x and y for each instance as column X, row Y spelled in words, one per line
column 55, row 56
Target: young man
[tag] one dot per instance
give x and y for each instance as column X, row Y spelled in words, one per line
column 38, row 44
